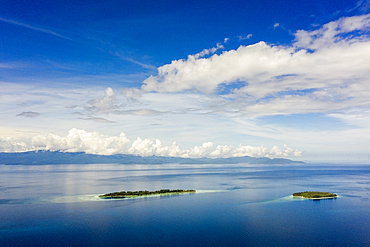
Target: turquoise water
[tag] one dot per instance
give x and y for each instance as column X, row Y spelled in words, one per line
column 236, row 205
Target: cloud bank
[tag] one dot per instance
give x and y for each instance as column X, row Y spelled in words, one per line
column 95, row 143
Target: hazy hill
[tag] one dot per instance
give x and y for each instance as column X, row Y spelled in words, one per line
column 47, row 157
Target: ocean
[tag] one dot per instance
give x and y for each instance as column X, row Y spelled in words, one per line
column 235, row 205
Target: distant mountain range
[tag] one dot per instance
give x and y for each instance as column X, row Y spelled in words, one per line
column 51, row 158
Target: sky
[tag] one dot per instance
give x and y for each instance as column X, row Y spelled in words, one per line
column 277, row 79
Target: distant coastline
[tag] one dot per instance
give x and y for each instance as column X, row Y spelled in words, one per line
column 51, row 158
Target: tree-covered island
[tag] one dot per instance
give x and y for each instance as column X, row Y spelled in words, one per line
column 126, row 194
column 315, row 195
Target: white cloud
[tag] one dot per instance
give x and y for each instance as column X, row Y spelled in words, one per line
column 363, row 5
column 354, row 117
column 148, row 147
column 105, row 104
column 96, row 143
column 82, row 141
column 276, row 25
column 11, row 145
column 207, row 52
column 229, row 151
column 324, row 70
column 134, row 101
column 336, row 34
column 131, row 92
column 245, row 37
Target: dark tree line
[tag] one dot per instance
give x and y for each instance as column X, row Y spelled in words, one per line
column 123, row 194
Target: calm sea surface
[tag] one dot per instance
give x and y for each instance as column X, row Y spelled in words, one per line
column 236, row 205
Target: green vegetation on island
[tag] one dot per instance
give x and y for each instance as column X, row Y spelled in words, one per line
column 125, row 194
column 315, row 195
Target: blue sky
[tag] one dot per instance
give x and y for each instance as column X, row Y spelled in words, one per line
column 187, row 78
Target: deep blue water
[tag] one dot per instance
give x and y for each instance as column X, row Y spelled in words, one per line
column 238, row 205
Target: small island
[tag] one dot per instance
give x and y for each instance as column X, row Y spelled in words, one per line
column 128, row 194
column 315, row 195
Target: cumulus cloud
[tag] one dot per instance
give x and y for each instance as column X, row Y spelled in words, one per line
column 326, row 69
column 11, row 145
column 82, row 141
column 28, row 114
column 104, row 105
column 95, row 143
column 275, row 151
column 209, row 51
column 336, row 34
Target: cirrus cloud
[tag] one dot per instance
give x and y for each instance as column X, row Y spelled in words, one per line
column 28, row 114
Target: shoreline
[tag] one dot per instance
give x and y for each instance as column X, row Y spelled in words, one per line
column 122, row 195
column 321, row 198
column 315, row 195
